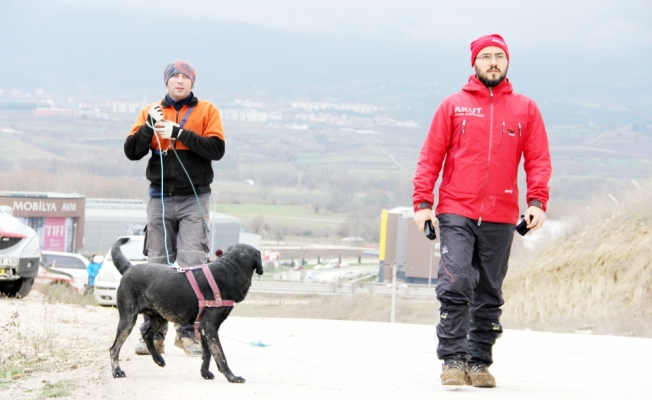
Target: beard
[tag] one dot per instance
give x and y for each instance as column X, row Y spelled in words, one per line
column 490, row 82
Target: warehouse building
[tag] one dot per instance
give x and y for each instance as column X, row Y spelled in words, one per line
column 72, row 223
column 108, row 219
column 403, row 246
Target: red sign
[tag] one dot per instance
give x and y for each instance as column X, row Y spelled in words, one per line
column 54, row 234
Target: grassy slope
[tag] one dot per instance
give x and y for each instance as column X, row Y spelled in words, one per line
column 598, row 278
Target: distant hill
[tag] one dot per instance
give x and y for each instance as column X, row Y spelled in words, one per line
column 91, row 51
column 598, row 278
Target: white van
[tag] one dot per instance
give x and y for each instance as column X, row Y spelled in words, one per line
column 108, row 279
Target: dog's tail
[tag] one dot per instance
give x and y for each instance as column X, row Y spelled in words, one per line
column 119, row 260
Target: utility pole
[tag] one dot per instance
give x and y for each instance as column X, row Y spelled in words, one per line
column 212, row 223
column 393, row 293
column 432, row 243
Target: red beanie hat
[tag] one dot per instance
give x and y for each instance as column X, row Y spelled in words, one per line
column 486, row 41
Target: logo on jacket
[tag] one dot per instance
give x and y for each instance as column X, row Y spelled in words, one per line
column 468, row 111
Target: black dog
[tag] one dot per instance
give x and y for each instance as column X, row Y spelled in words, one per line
column 165, row 294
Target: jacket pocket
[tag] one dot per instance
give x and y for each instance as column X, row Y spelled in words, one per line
column 469, row 159
column 510, row 135
column 505, row 160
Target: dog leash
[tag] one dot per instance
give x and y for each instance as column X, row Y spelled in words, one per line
column 203, row 303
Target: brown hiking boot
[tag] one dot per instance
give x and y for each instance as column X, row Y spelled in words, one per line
column 188, row 345
column 478, row 375
column 142, row 350
column 453, row 373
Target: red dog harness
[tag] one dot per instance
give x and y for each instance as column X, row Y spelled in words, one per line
column 203, row 303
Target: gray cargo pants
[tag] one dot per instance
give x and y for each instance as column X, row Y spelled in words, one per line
column 187, row 242
column 472, row 268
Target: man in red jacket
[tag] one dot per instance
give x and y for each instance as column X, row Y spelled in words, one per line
column 479, row 135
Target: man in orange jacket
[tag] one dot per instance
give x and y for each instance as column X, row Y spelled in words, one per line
column 479, row 135
column 183, row 135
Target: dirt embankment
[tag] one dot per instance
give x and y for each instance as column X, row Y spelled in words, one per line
column 597, row 278
column 53, row 349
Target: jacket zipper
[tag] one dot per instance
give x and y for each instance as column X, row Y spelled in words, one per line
column 519, row 129
column 491, row 133
column 174, row 145
column 502, row 133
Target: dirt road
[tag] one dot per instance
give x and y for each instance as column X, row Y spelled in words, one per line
column 66, row 347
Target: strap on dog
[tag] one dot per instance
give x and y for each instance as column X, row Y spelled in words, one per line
column 203, row 303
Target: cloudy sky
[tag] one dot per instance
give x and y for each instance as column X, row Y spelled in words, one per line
column 593, row 54
column 573, row 24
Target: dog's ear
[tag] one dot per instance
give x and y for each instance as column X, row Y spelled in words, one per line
column 258, row 263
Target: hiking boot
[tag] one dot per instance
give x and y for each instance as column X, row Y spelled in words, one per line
column 142, row 350
column 478, row 375
column 453, row 373
column 188, row 345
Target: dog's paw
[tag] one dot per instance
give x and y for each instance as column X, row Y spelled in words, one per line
column 236, row 379
column 207, row 374
column 118, row 373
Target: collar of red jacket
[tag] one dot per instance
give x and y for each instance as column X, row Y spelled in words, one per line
column 474, row 85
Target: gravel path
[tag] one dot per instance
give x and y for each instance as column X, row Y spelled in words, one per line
column 285, row 358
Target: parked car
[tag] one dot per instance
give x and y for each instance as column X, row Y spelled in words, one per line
column 19, row 255
column 108, row 279
column 47, row 276
column 64, row 268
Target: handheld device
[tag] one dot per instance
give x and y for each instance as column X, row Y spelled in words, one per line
column 430, row 230
column 522, row 228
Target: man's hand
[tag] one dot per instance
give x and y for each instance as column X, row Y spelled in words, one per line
column 168, row 129
column 155, row 114
column 538, row 217
column 421, row 216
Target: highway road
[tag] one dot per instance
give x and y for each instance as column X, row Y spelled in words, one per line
column 336, row 288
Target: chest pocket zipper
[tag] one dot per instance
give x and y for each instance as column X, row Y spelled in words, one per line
column 463, row 130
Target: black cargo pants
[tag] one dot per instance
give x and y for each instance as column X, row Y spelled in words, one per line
column 472, row 268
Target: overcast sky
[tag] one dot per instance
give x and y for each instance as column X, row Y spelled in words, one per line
column 592, row 55
column 601, row 25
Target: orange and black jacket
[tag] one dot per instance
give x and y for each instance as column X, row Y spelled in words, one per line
column 201, row 142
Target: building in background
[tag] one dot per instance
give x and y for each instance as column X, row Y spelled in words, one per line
column 404, row 246
column 57, row 218
column 72, row 223
column 108, row 219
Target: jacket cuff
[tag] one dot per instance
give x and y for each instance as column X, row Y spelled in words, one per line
column 422, row 206
column 535, row 203
column 176, row 132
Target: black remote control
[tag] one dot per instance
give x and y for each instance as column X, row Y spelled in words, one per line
column 430, row 230
column 522, row 226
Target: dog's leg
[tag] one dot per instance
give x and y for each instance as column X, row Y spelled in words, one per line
column 211, row 322
column 205, row 355
column 156, row 323
column 126, row 324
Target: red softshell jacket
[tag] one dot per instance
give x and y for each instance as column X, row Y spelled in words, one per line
column 482, row 134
